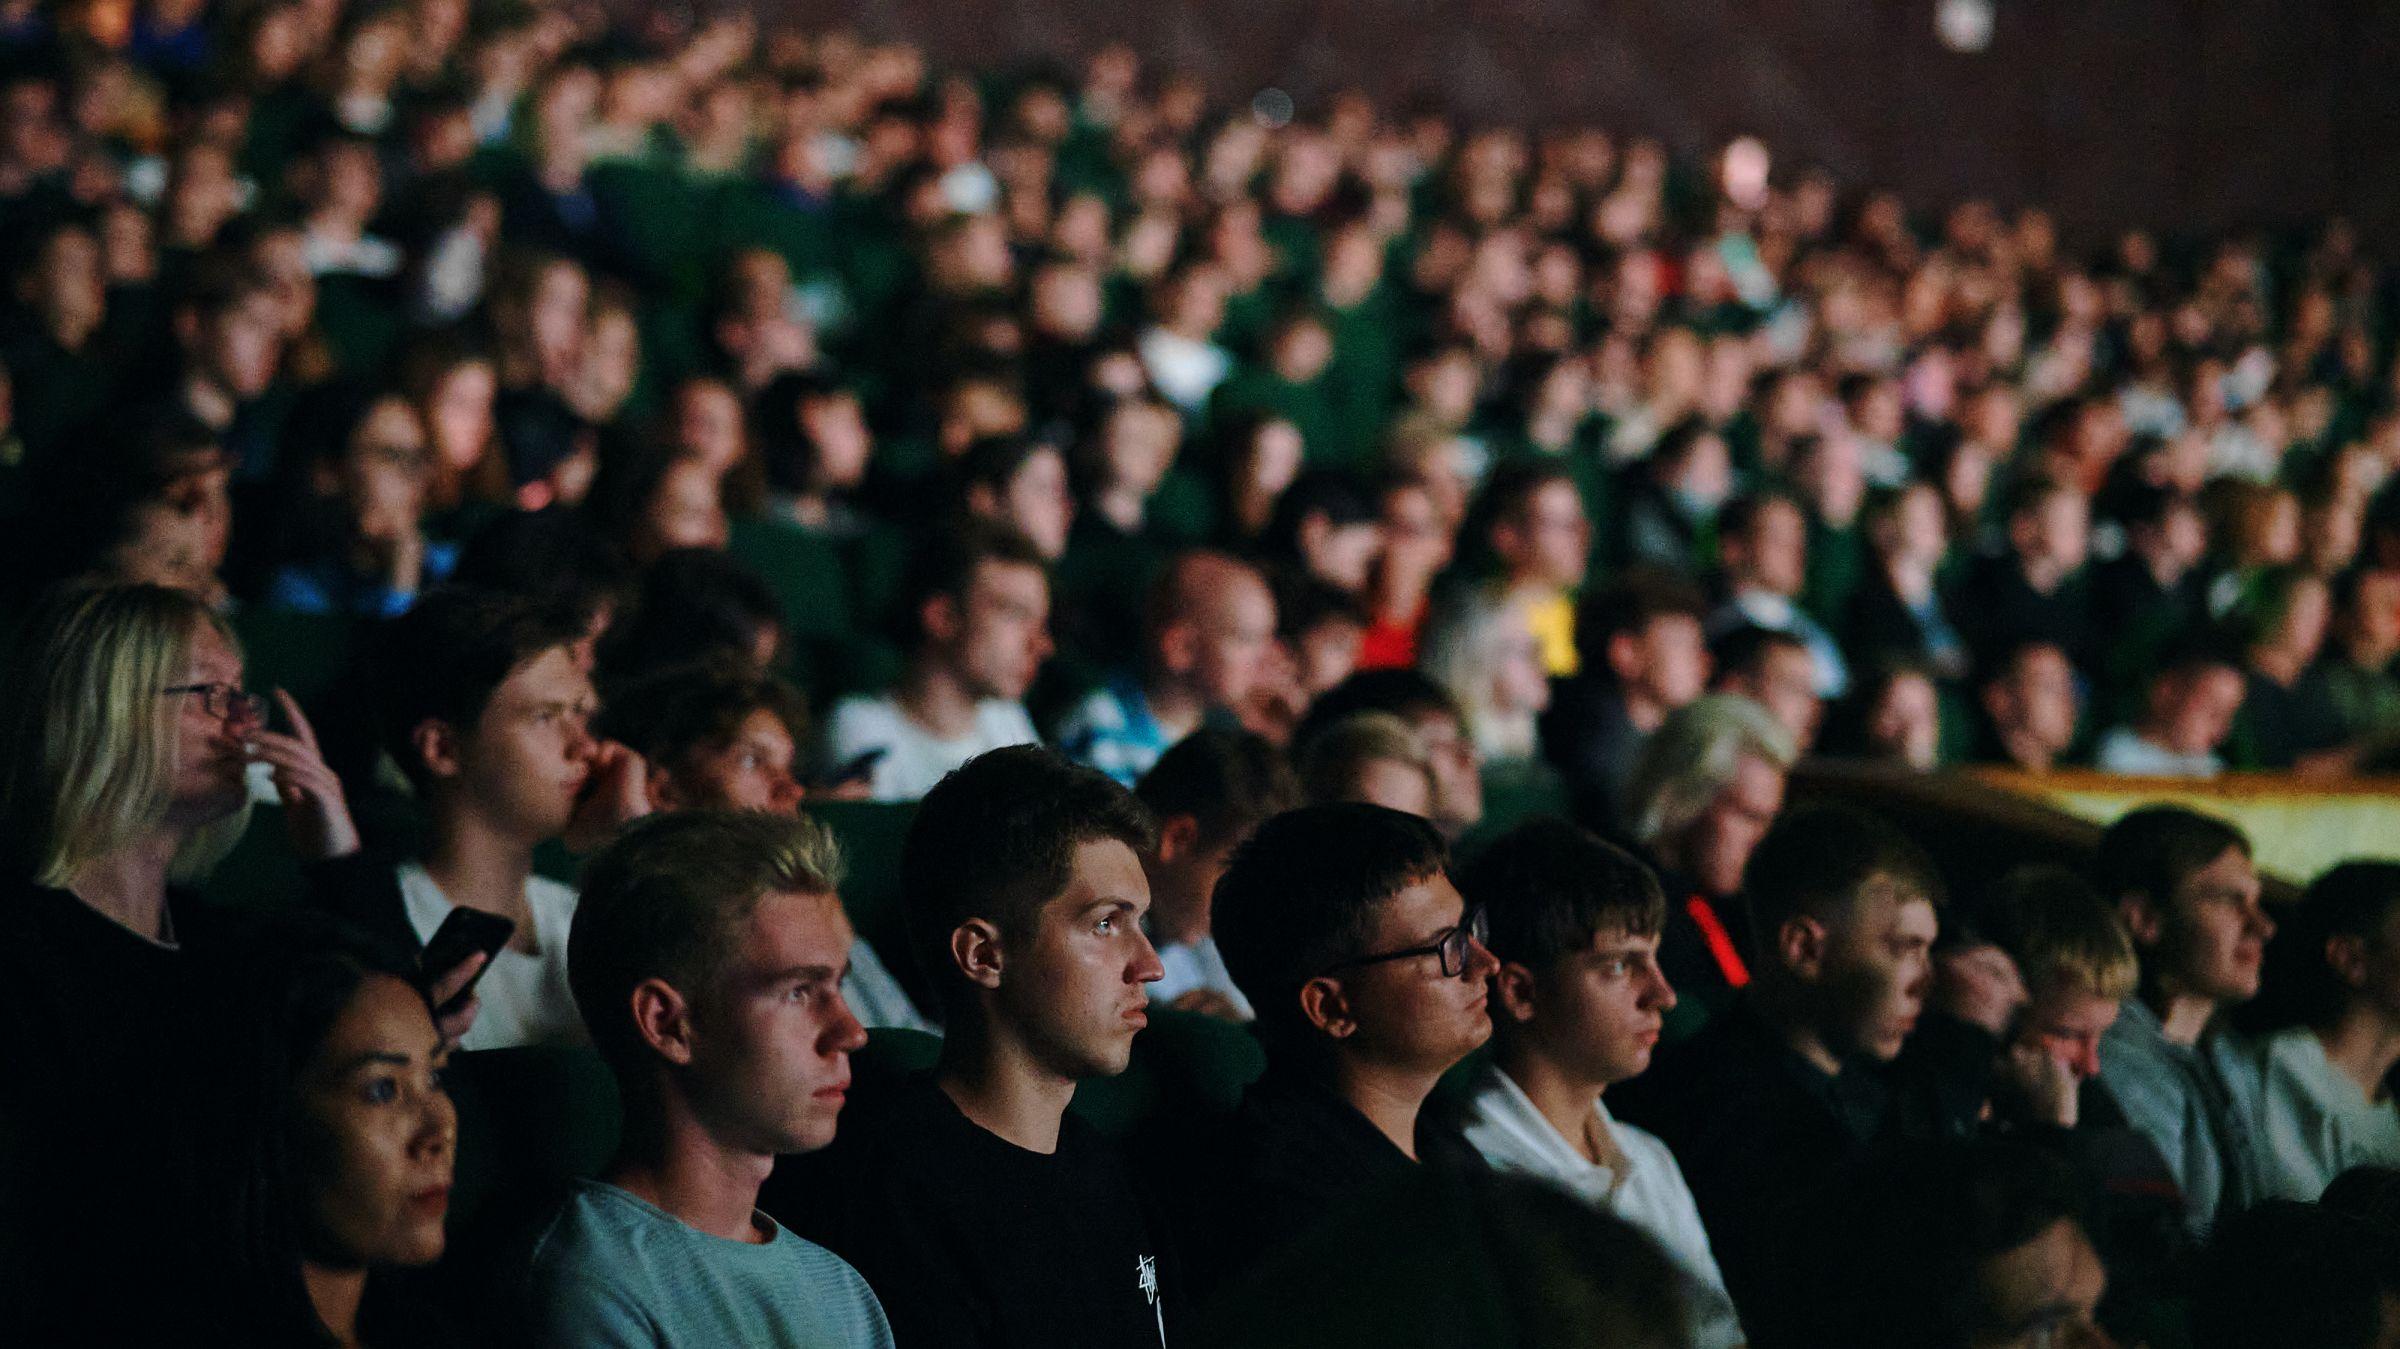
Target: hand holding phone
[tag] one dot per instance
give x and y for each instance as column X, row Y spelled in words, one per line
column 465, row 935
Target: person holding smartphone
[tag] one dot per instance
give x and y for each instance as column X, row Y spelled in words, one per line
column 124, row 772
column 487, row 711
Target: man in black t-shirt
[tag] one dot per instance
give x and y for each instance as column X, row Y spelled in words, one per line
column 1369, row 976
column 1805, row 1070
column 982, row 1213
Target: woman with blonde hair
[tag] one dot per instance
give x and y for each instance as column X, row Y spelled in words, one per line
column 126, row 755
column 1372, row 757
column 124, row 770
column 1482, row 648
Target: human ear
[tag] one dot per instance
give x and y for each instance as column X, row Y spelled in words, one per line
column 1327, row 1007
column 664, row 793
column 2142, row 918
column 436, row 744
column 975, row 951
column 1801, row 942
column 663, row 1019
column 1179, row 646
column 939, row 618
column 1178, row 835
column 2347, row 956
column 1514, row 987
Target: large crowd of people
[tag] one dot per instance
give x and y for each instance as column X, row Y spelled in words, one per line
column 1355, row 577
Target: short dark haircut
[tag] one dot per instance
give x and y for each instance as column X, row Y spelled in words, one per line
column 674, row 713
column 994, row 461
column 2149, row 504
column 1301, row 894
column 1676, row 443
column 1304, row 601
column 789, row 454
column 552, row 555
column 1402, row 691
column 694, row 604
column 1742, row 514
column 1228, row 780
column 996, row 840
column 2030, row 492
column 2008, row 659
column 1636, row 598
column 1508, row 496
column 1814, row 862
column 1548, row 887
column 2153, row 850
column 631, row 471
column 2188, row 654
column 1744, row 650
column 1919, row 1222
column 1329, row 493
column 2292, row 1273
column 946, row 563
column 665, row 899
column 2300, row 988
column 444, row 658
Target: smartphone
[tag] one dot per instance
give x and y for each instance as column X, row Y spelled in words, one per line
column 462, row 934
column 855, row 770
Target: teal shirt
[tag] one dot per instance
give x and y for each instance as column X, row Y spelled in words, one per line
column 611, row 1270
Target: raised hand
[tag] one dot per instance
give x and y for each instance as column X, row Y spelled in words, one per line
column 314, row 806
column 616, row 794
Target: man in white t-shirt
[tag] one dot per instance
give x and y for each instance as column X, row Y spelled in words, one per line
column 2187, row 712
column 1577, row 1007
column 488, row 713
column 980, row 602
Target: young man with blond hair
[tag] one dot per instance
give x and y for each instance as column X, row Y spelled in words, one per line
column 707, row 958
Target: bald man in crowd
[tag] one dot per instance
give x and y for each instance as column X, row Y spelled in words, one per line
column 1211, row 628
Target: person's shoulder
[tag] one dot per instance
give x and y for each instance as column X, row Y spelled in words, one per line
column 862, row 716
column 1001, row 722
column 900, row 1125
column 2120, row 750
column 1100, row 711
column 584, row 1275
column 831, row 1286
column 596, row 1231
column 551, row 899
column 1646, row 1152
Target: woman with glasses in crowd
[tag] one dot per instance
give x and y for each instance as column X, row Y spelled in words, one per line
column 125, row 764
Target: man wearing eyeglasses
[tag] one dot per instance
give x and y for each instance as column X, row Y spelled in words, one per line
column 1369, row 976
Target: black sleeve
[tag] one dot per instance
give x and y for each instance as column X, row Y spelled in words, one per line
column 1943, row 1079
column 363, row 890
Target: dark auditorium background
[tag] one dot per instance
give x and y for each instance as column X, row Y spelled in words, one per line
column 2199, row 115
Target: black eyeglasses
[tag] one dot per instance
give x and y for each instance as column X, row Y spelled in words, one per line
column 1453, row 948
column 225, row 702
